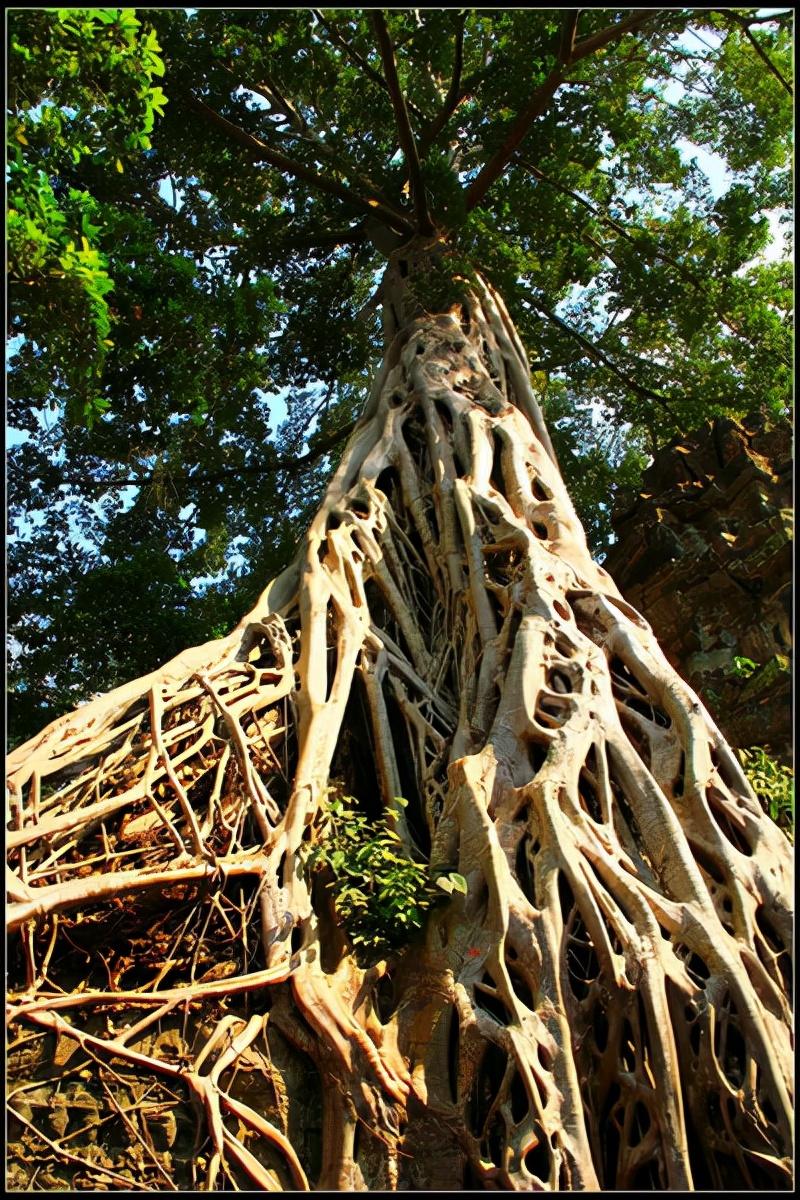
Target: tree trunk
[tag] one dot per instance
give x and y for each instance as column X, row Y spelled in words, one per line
column 607, row 1004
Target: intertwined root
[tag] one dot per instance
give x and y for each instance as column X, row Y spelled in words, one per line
column 607, row 1005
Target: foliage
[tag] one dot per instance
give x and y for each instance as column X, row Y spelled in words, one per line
column 82, row 95
column 186, row 328
column 741, row 667
column 773, row 783
column 601, row 461
column 381, row 893
column 442, row 283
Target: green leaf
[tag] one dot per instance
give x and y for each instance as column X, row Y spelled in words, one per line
column 157, row 98
column 155, row 66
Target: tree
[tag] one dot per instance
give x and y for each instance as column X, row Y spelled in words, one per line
column 432, row 872
column 619, row 263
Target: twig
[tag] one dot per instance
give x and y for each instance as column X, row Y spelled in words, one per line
column 130, row 1126
column 657, row 252
column 404, row 131
column 454, row 96
column 743, row 24
column 320, row 448
column 594, row 352
column 260, row 151
column 89, row 1166
column 543, row 95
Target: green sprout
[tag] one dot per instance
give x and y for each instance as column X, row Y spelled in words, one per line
column 381, row 893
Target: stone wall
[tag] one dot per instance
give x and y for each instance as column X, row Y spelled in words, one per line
column 704, row 551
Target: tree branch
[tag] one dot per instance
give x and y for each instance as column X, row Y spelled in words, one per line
column 598, row 41
column 494, row 168
column 319, row 449
column 260, row 151
column 300, row 129
column 454, row 95
column 775, row 18
column 279, row 106
column 695, row 280
column 315, row 452
column 542, row 96
column 356, row 58
column 568, row 35
column 404, row 131
column 744, row 24
column 599, row 356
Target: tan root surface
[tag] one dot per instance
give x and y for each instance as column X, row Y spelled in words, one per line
column 608, row 1004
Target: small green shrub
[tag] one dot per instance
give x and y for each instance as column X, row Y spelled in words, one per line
column 741, row 667
column 381, row 894
column 773, row 783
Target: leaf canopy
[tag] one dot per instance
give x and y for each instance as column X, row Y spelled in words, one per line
column 201, row 202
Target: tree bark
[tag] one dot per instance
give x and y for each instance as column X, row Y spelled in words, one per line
column 607, row 1006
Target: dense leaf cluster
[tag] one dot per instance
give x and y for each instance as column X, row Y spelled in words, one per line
column 82, row 100
column 381, row 894
column 201, row 202
column 773, row 783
